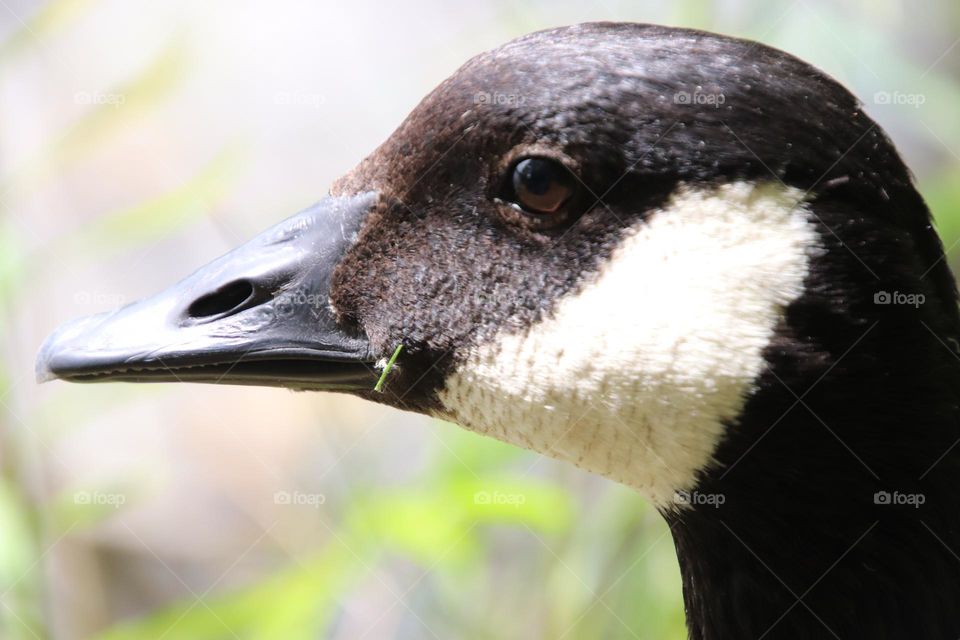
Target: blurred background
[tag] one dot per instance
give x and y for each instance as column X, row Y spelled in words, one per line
column 138, row 140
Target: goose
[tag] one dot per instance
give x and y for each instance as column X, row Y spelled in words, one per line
column 686, row 262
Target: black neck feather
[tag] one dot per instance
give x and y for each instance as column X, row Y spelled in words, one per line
column 840, row 514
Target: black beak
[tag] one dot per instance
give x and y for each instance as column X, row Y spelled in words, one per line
column 259, row 315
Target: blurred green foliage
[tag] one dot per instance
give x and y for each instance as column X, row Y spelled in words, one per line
column 444, row 523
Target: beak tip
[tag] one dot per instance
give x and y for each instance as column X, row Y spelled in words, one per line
column 44, row 366
column 54, row 355
column 43, row 369
column 43, row 372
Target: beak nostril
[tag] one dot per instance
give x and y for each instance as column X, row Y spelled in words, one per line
column 230, row 298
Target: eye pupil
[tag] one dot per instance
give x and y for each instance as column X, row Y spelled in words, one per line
column 535, row 175
column 542, row 185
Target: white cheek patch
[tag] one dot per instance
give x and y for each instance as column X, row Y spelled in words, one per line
column 634, row 376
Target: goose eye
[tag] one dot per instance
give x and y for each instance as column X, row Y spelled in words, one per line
column 542, row 185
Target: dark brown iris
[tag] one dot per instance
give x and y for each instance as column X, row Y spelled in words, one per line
column 542, row 185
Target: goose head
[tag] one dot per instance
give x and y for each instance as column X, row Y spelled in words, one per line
column 686, row 262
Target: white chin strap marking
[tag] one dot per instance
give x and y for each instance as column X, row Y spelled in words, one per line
column 635, row 375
